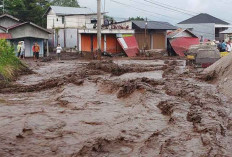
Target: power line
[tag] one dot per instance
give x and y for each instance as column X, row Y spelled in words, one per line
column 150, row 13
column 161, row 14
column 168, row 6
column 171, row 8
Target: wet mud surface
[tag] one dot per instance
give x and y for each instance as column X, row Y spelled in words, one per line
column 125, row 108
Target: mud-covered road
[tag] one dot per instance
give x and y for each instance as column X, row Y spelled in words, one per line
column 125, row 108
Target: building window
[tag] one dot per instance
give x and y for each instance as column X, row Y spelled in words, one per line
column 62, row 19
column 217, row 31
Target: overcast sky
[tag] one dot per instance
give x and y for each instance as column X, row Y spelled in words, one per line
column 132, row 8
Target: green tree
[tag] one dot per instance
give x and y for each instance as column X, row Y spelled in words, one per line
column 138, row 18
column 65, row 3
column 28, row 10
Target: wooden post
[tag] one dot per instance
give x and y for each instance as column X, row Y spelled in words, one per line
column 47, row 49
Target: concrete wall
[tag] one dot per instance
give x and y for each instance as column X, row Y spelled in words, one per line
column 7, row 22
column 60, row 37
column 74, row 21
column 28, row 31
column 206, row 30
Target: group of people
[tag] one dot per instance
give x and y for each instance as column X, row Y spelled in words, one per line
column 21, row 50
column 224, row 46
column 35, row 49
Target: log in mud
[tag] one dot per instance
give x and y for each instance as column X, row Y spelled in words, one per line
column 114, row 108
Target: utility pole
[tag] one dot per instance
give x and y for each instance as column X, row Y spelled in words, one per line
column 145, row 44
column 104, row 6
column 99, row 29
column 64, row 31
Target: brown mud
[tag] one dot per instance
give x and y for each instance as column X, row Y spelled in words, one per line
column 114, row 108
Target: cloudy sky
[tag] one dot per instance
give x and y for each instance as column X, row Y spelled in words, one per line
column 121, row 9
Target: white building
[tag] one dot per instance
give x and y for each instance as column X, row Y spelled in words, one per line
column 70, row 17
column 77, row 27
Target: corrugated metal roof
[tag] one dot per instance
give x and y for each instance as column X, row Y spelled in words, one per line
column 154, row 25
column 129, row 45
column 203, row 18
column 172, row 34
column 9, row 16
column 71, row 10
column 5, row 36
column 181, row 45
column 228, row 31
column 3, row 28
column 30, row 23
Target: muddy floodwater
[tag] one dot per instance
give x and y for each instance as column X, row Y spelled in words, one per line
column 122, row 108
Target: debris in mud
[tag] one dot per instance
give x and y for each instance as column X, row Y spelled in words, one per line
column 166, row 107
column 117, row 70
column 209, row 77
column 194, row 116
column 104, row 147
column 47, row 84
column 19, row 136
column 126, row 88
column 46, row 59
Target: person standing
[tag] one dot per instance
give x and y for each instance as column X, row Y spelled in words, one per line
column 224, row 45
column 33, row 50
column 58, row 51
column 228, row 47
column 22, row 50
column 36, row 49
column 19, row 49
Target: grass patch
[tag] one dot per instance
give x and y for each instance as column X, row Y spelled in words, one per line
column 10, row 65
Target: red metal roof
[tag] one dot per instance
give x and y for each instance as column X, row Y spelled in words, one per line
column 181, row 45
column 129, row 45
column 5, row 36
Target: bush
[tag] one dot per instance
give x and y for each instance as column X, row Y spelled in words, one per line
column 9, row 63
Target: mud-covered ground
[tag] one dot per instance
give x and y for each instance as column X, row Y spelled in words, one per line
column 121, row 108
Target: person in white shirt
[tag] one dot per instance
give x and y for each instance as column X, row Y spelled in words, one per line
column 22, row 50
column 229, row 48
column 58, row 51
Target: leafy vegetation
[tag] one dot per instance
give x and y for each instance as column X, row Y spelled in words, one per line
column 33, row 10
column 138, row 18
column 9, row 63
column 65, row 3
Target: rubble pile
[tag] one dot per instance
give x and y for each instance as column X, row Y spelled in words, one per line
column 221, row 72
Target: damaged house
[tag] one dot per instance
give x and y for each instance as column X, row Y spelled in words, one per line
column 180, row 40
